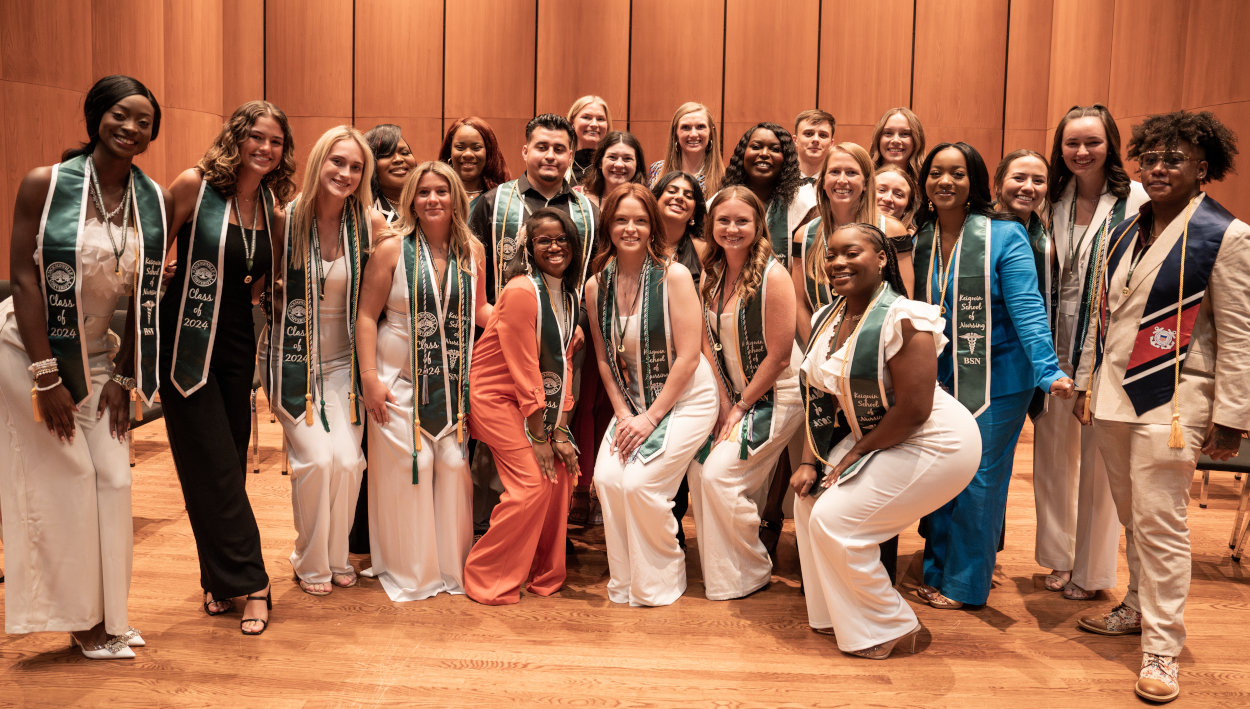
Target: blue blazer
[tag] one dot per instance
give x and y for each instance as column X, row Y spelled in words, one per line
column 1022, row 354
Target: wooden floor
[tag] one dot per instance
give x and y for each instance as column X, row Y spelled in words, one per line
column 356, row 648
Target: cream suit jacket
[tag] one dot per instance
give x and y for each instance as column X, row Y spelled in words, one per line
column 1215, row 376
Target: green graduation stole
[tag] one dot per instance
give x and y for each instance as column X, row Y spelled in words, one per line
column 653, row 346
column 1094, row 266
column 757, row 424
column 554, row 338
column 818, row 294
column 56, row 246
column 201, row 287
column 779, row 229
column 298, row 313
column 863, row 388
column 510, row 212
column 970, row 322
column 440, row 338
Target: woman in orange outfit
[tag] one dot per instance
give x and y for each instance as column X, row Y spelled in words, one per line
column 519, row 398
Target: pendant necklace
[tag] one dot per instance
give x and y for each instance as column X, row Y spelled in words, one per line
column 249, row 240
column 620, row 333
column 720, row 305
column 944, row 269
column 316, row 239
column 107, row 217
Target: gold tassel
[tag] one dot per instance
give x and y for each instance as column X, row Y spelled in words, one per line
column 34, row 404
column 134, row 396
column 308, row 410
column 459, row 428
column 351, row 398
column 1177, row 438
column 1085, row 408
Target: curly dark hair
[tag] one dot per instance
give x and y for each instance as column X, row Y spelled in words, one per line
column 790, row 178
column 1203, row 130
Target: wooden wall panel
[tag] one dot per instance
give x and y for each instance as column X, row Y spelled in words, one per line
column 865, row 62
column 47, row 43
column 1215, row 68
column 242, row 53
column 8, row 190
column 966, row 40
column 1028, row 66
column 677, row 56
column 493, row 75
column 48, row 122
column 1146, row 49
column 566, row 30
column 193, row 55
column 399, row 59
column 185, row 135
column 1029, row 139
column 308, row 56
column 126, row 38
column 770, row 80
column 1080, row 59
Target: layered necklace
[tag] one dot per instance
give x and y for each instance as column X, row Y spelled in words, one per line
column 618, row 325
column 322, row 272
column 944, row 269
column 119, row 248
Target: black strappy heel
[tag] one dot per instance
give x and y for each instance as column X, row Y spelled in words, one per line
column 268, row 599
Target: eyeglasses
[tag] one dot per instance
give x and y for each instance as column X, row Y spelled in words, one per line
column 1171, row 159
column 546, row 243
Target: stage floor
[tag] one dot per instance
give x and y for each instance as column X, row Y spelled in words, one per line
column 575, row 649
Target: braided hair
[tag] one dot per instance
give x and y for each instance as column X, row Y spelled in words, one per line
column 890, row 273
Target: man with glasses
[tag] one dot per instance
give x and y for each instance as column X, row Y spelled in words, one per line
column 1169, row 351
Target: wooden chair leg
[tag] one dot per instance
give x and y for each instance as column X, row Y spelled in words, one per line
column 1206, row 483
column 1241, row 544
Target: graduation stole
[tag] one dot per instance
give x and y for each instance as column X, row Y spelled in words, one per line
column 863, row 392
column 510, row 212
column 1091, row 288
column 1046, row 262
column 554, row 337
column 440, row 337
column 818, row 294
column 1176, row 295
column 778, row 221
column 653, row 345
column 757, row 424
column 201, row 287
column 59, row 258
column 298, row 313
column 971, row 321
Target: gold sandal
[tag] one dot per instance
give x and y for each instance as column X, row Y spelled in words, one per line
column 934, row 598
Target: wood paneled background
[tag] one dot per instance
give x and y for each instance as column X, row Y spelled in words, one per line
column 997, row 73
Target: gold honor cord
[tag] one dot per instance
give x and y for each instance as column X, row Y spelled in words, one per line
column 1092, row 314
column 354, row 279
column 414, row 343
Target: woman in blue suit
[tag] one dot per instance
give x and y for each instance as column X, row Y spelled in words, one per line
column 977, row 266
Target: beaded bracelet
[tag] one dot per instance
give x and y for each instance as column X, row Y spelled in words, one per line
column 42, row 367
column 531, row 437
column 49, row 387
column 126, row 383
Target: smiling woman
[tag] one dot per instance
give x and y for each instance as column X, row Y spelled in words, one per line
column 693, row 147
column 228, row 221
column 313, row 369
column 86, row 232
column 393, row 161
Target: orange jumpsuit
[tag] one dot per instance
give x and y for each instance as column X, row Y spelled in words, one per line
column 526, row 539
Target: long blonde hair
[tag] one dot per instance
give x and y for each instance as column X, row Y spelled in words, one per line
column 714, row 259
column 712, row 169
column 865, row 213
column 304, row 212
column 461, row 238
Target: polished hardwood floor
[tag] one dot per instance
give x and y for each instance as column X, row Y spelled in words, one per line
column 356, row 648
